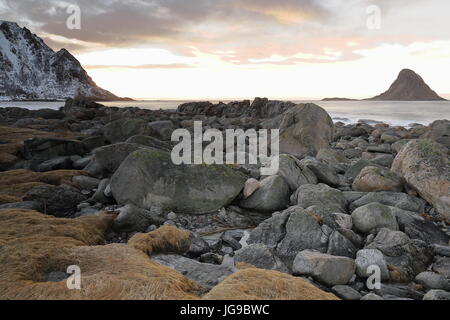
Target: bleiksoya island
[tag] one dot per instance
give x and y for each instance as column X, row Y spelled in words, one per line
column 243, row 200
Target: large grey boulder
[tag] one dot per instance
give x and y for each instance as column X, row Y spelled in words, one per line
column 406, row 257
column 122, row 129
column 303, row 231
column 394, row 199
column 327, row 269
column 437, row 295
column 271, row 231
column 294, row 173
column 161, row 129
column 339, row 245
column 107, row 159
column 272, row 195
column 346, row 292
column 425, row 165
column 148, row 178
column 417, row 227
column 261, row 257
column 353, row 171
column 305, row 129
column 431, row 280
column 208, row 275
column 372, row 217
column 371, row 257
column 442, row 266
column 321, row 195
column 373, row 179
column 134, row 219
column 323, row 172
column 439, row 131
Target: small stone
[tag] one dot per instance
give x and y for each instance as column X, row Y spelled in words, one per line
column 372, row 296
column 346, row 292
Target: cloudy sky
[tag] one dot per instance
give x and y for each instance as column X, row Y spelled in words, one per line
column 192, row 49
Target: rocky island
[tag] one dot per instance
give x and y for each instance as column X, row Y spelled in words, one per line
column 94, row 186
column 409, row 86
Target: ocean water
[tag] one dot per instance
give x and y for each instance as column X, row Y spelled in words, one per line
column 391, row 112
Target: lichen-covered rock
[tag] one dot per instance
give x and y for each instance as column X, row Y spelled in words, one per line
column 305, row 129
column 373, row 179
column 321, row 195
column 272, row 195
column 148, row 178
column 425, row 166
column 294, row 172
column 372, row 217
column 327, row 269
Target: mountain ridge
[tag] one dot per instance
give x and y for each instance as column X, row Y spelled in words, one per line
column 31, row 70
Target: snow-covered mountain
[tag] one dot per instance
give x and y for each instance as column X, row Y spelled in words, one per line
column 30, row 70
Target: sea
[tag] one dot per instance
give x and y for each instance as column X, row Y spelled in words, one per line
column 395, row 113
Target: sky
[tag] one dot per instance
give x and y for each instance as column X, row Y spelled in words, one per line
column 225, row 49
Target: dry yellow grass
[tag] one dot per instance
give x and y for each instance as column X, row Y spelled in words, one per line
column 11, row 139
column 258, row 284
column 15, row 183
column 33, row 244
column 164, row 239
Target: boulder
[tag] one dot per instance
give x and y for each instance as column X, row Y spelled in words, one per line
column 346, row 292
column 417, row 227
column 326, row 269
column 85, row 182
column 439, row 131
column 260, row 256
column 394, row 199
column 371, row 257
column 305, row 129
column 442, row 266
column 107, row 159
column 405, row 257
column 45, row 148
column 294, row 173
column 373, row 179
column 272, row 195
column 251, row 185
column 271, row 231
column 59, row 201
column 356, row 168
column 161, row 129
column 122, row 129
column 55, row 164
column 322, row 195
column 372, row 217
column 437, row 295
column 323, row 172
column 425, row 166
column 208, row 275
column 303, row 231
column 134, row 219
column 431, row 280
column 339, row 245
column 148, row 178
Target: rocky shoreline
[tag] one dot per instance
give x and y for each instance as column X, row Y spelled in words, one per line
column 94, row 186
